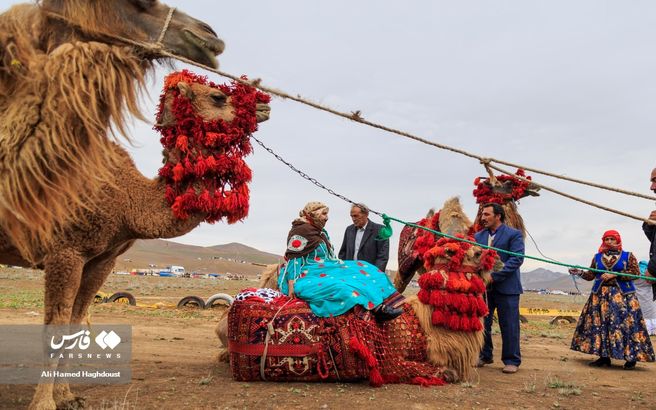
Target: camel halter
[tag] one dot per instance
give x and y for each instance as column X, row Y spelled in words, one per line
column 165, row 27
column 154, row 47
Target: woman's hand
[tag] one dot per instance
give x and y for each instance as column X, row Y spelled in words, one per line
column 607, row 276
column 290, row 284
column 575, row 271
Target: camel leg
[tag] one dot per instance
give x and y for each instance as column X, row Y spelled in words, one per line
column 63, row 271
column 94, row 274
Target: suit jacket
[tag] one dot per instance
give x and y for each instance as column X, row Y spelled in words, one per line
column 371, row 250
column 507, row 281
column 650, row 232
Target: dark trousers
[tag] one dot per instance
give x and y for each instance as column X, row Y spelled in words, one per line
column 507, row 307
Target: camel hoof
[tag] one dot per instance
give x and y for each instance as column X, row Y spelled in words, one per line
column 75, row 403
column 450, row 376
column 224, row 356
column 42, row 405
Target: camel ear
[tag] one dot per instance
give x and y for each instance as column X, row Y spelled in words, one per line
column 185, row 90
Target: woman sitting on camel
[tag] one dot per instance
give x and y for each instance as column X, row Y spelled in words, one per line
column 611, row 323
column 329, row 285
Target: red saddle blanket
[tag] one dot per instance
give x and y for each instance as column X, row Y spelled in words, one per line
column 285, row 341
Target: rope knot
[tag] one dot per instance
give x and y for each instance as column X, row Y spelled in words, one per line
column 386, row 231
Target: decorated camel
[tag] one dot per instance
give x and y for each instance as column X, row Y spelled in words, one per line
column 205, row 133
column 70, row 75
column 437, row 339
column 505, row 190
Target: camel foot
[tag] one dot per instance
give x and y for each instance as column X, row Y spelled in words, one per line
column 450, row 376
column 43, row 399
column 76, row 403
column 224, row 356
column 43, row 403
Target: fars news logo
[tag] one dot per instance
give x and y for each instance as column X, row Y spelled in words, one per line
column 81, row 341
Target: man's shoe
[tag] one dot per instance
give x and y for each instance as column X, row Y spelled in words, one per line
column 601, row 362
column 629, row 365
column 510, row 368
column 385, row 313
column 482, row 362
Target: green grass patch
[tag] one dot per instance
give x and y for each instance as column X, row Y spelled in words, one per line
column 22, row 300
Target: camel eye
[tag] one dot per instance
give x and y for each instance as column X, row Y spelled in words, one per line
column 219, row 99
column 144, row 5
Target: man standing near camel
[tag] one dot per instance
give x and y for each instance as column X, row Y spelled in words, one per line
column 505, row 288
column 360, row 241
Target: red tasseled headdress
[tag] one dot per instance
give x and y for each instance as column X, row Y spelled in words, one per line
column 484, row 193
column 205, row 171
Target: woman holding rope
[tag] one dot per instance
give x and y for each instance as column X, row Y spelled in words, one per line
column 611, row 323
column 329, row 285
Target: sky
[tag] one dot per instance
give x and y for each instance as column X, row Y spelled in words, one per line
column 563, row 86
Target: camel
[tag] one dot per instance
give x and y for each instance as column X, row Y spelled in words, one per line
column 453, row 347
column 70, row 76
column 506, row 190
column 132, row 206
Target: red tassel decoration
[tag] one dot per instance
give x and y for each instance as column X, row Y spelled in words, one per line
column 178, row 172
column 182, row 143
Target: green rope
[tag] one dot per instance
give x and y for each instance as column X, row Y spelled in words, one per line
column 387, row 219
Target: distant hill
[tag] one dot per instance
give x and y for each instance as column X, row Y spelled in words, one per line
column 232, row 257
column 545, row 279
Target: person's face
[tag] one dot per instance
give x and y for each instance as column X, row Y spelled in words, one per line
column 610, row 241
column 653, row 180
column 323, row 215
column 489, row 219
column 358, row 217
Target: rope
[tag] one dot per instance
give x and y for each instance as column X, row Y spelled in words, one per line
column 267, row 338
column 575, row 198
column 521, row 255
column 165, row 27
column 357, row 117
column 387, row 218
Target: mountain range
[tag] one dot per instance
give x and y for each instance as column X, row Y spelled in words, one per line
column 238, row 258
column 231, row 257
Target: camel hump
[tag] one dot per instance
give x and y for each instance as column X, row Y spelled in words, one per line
column 453, row 219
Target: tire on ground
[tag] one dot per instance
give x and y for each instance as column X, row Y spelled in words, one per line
column 123, row 297
column 191, row 301
column 562, row 320
column 219, row 297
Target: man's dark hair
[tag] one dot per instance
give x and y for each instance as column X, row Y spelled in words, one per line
column 496, row 209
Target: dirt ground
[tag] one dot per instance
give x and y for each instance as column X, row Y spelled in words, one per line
column 174, row 361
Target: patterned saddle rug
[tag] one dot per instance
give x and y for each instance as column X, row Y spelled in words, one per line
column 282, row 340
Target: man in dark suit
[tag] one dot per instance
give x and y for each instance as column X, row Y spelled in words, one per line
column 360, row 241
column 503, row 293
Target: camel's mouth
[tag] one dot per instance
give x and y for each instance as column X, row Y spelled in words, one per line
column 262, row 113
column 209, row 48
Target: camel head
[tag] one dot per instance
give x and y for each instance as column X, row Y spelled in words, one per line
column 205, row 133
column 448, row 253
column 505, row 190
column 137, row 20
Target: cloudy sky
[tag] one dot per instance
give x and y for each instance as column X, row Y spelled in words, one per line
column 565, row 86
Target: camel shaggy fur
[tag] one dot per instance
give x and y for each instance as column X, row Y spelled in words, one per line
column 457, row 351
column 68, row 82
column 129, row 207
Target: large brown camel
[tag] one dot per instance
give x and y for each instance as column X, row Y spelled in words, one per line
column 455, row 350
column 69, row 78
column 131, row 206
column 505, row 190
